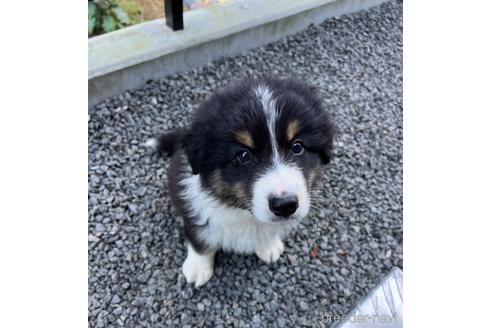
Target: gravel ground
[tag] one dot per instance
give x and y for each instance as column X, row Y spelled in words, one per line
column 135, row 246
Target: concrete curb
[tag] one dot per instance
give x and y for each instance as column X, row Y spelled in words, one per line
column 127, row 58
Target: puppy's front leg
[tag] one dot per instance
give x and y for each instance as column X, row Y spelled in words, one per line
column 198, row 268
column 271, row 252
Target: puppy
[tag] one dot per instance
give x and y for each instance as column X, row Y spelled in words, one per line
column 241, row 175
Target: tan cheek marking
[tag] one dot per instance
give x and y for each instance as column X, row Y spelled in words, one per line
column 217, row 183
column 220, row 187
column 311, row 177
column 292, row 130
column 239, row 190
column 244, row 137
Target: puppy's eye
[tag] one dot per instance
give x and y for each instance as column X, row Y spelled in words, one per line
column 242, row 157
column 297, row 148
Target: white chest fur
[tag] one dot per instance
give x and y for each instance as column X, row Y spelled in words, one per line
column 229, row 228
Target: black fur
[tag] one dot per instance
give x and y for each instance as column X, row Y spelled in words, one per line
column 209, row 145
column 177, row 170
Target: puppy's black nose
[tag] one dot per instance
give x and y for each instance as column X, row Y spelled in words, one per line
column 283, row 206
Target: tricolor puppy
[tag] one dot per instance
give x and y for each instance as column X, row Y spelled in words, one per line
column 241, row 175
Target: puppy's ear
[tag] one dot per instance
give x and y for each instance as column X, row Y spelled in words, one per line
column 326, row 152
column 195, row 150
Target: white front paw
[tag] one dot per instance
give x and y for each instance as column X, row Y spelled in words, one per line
column 198, row 268
column 272, row 252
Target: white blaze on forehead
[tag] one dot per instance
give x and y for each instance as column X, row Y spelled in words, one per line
column 281, row 178
column 269, row 107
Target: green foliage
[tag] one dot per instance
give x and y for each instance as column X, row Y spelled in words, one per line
column 133, row 9
column 106, row 16
column 121, row 15
column 109, row 24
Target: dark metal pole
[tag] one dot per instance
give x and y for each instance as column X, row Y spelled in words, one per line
column 174, row 14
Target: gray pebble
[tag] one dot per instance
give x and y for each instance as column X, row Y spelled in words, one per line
column 303, row 306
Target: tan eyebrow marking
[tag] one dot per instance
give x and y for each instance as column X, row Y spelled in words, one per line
column 292, row 129
column 244, row 137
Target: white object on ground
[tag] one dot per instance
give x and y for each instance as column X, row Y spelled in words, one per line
column 382, row 307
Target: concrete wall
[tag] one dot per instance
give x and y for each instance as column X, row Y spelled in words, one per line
column 126, row 59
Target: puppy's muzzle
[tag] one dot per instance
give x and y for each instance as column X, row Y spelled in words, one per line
column 283, row 206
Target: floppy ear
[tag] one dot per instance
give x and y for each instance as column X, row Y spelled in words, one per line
column 195, row 150
column 327, row 148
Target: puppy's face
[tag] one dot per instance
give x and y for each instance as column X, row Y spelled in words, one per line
column 259, row 146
